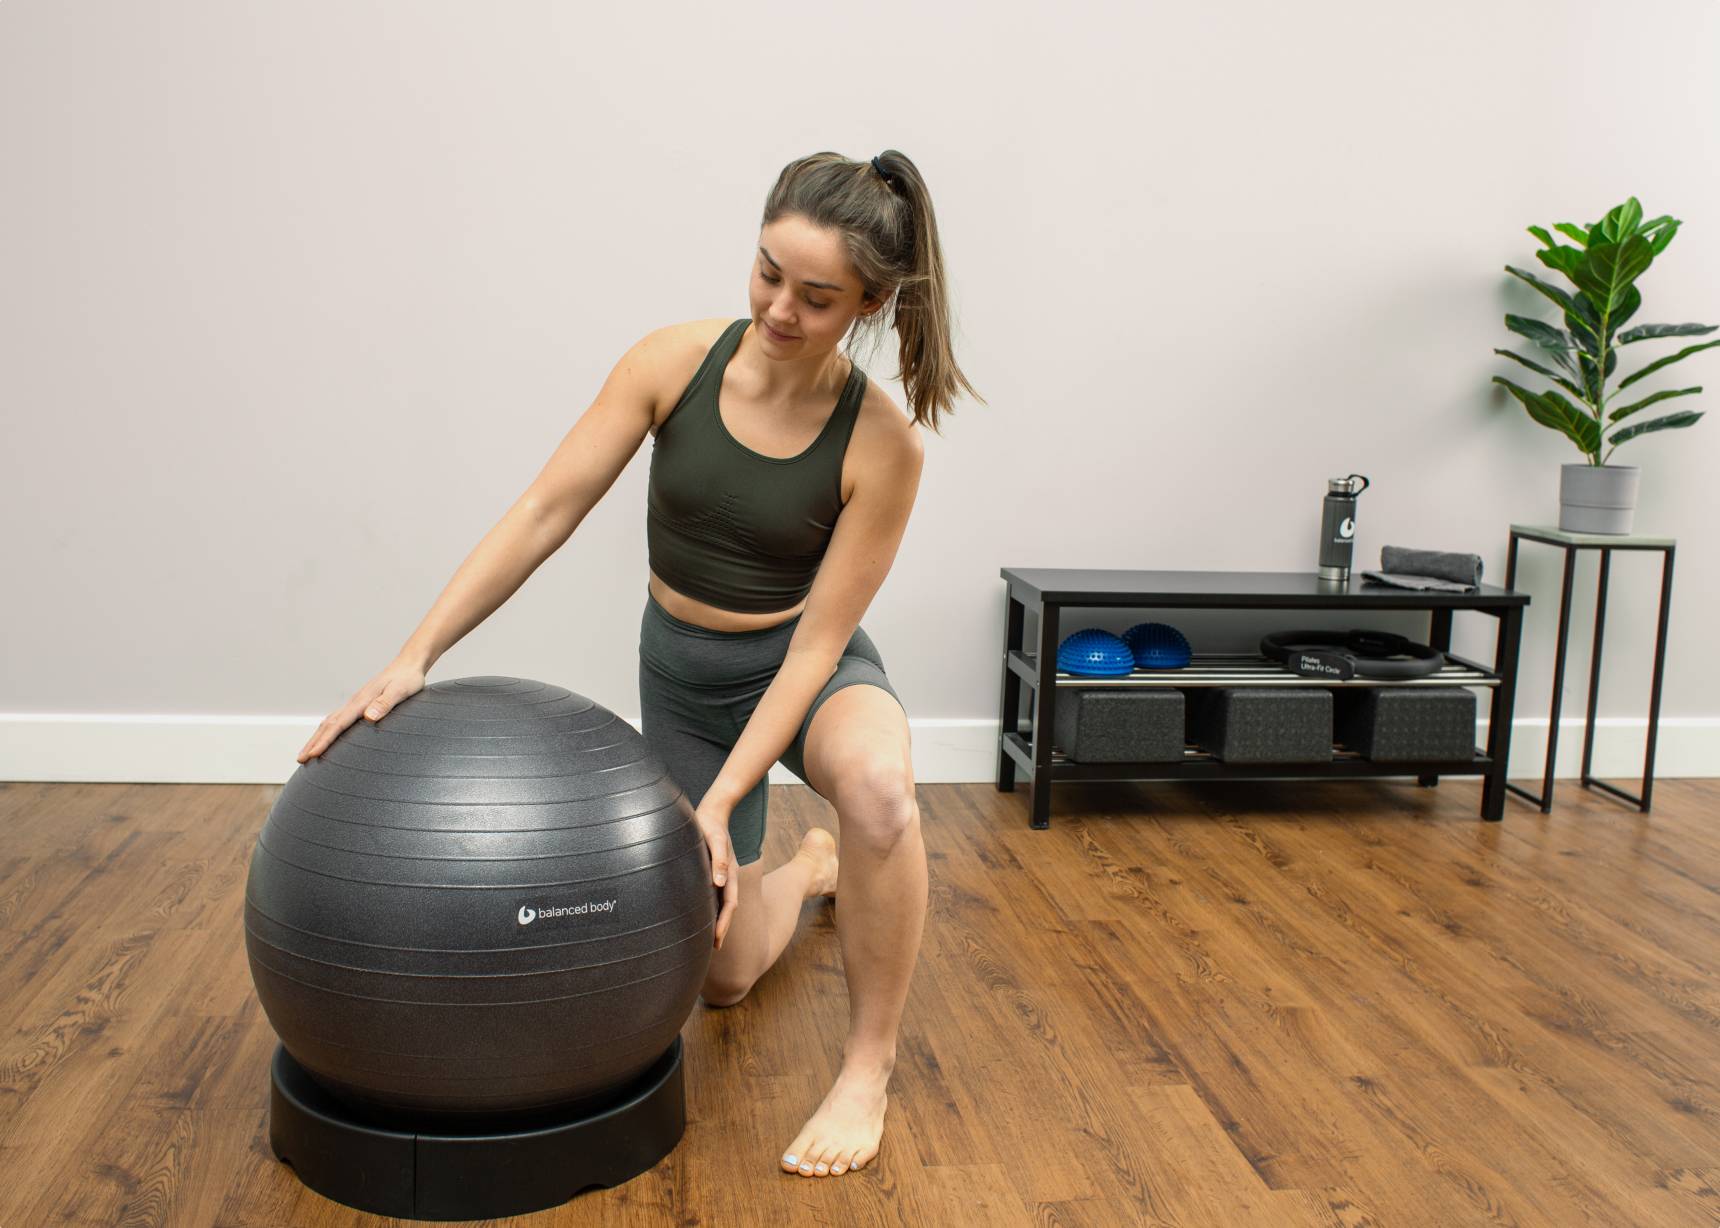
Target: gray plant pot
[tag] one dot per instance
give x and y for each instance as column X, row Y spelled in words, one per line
column 1597, row 498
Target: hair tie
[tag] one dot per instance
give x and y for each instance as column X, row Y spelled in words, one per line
column 884, row 174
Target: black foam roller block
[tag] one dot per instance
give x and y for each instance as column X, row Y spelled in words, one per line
column 1120, row 724
column 1263, row 724
column 1425, row 724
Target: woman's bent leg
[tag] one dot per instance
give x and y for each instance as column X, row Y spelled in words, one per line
column 766, row 914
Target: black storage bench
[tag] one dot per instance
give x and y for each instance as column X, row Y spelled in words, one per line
column 1046, row 749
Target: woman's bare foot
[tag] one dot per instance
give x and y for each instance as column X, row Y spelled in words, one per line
column 819, row 847
column 844, row 1133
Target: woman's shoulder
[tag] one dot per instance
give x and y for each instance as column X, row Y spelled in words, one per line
column 885, row 424
column 692, row 339
column 886, row 444
column 698, row 335
column 681, row 348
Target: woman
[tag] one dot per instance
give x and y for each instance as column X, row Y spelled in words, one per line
column 781, row 484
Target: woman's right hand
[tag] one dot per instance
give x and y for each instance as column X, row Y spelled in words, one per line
column 712, row 821
column 373, row 701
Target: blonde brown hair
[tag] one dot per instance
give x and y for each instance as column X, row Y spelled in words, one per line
column 891, row 238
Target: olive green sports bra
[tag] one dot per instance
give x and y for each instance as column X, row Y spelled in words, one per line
column 732, row 527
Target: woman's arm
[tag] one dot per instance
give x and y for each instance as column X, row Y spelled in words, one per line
column 577, row 475
column 863, row 545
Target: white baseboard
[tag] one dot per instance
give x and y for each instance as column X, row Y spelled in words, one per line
column 262, row 749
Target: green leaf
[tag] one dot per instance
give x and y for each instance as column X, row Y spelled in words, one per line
column 1553, row 292
column 1621, row 223
column 1624, row 309
column 1573, row 231
column 1652, row 367
column 1643, row 332
column 1566, row 260
column 1584, row 318
column 1630, row 217
column 1596, row 384
column 1607, row 269
column 1584, row 323
column 1552, row 410
column 1661, row 237
column 1619, row 415
column 1584, row 428
column 1654, row 424
column 1543, row 234
column 1550, row 339
column 1540, row 332
column 1558, row 379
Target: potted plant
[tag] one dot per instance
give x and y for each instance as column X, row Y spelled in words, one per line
column 1594, row 496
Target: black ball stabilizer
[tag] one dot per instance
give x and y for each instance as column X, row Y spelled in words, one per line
column 1342, row 655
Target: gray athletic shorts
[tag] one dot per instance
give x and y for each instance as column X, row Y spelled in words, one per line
column 699, row 687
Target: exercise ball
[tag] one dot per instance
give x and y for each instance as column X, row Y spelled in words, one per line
column 495, row 900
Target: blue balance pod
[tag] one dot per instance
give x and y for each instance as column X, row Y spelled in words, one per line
column 1158, row 646
column 1095, row 653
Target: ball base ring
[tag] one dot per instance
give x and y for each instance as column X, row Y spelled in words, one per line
column 476, row 1172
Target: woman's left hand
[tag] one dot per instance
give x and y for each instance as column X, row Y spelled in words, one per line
column 713, row 821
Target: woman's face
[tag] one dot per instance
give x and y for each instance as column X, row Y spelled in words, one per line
column 802, row 287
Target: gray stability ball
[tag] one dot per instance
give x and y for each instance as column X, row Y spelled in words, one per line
column 494, row 900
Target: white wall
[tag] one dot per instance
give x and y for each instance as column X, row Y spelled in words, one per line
column 295, row 299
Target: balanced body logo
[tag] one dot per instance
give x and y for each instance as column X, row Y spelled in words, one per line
column 546, row 912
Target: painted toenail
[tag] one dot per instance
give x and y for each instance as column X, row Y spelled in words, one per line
column 789, row 1160
column 837, row 1169
column 805, row 1168
column 823, row 1169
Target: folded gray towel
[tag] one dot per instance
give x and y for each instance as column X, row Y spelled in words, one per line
column 1442, row 570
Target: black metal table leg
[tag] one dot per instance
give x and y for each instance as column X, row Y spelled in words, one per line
column 1545, row 800
column 1015, row 616
column 1595, row 666
column 1659, row 675
column 1438, row 636
column 1045, row 702
column 1505, row 656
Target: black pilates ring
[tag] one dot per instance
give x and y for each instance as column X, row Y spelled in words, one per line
column 1340, row 655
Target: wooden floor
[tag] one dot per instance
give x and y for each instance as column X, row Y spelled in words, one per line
column 1341, row 1003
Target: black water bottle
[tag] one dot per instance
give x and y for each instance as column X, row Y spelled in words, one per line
column 1338, row 526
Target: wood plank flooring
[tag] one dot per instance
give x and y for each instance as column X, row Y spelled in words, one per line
column 1237, row 1005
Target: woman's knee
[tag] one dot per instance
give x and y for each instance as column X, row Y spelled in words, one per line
column 717, row 993
column 875, row 798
